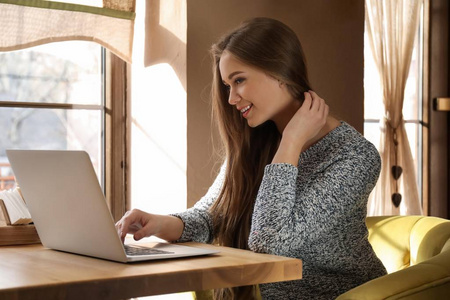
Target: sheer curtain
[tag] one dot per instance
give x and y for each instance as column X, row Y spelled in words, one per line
column 391, row 27
column 35, row 22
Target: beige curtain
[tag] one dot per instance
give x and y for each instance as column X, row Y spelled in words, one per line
column 27, row 23
column 391, row 27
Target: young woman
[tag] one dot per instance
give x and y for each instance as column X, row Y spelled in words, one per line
column 294, row 181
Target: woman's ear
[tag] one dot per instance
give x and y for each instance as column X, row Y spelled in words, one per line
column 280, row 83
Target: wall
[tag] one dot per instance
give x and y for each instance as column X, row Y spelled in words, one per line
column 331, row 33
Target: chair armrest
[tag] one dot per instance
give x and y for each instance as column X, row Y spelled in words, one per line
column 427, row 280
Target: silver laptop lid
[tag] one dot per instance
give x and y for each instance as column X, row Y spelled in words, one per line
column 66, row 202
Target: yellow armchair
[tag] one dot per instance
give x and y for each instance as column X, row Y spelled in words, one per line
column 416, row 253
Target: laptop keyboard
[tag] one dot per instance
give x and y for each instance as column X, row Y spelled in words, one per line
column 137, row 250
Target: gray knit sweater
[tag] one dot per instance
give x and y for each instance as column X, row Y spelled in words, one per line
column 315, row 212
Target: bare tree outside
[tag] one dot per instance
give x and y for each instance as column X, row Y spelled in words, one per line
column 66, row 72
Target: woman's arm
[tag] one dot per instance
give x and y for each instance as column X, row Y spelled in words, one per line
column 192, row 224
column 197, row 220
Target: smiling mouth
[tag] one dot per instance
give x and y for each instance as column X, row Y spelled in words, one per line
column 245, row 110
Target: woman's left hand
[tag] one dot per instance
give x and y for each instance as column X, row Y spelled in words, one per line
column 308, row 120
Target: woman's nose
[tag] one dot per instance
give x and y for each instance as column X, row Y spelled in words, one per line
column 233, row 97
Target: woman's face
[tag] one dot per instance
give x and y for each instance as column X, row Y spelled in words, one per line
column 258, row 96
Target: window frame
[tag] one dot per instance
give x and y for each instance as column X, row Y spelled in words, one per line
column 117, row 135
column 425, row 92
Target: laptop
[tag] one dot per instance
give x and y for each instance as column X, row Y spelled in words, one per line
column 70, row 212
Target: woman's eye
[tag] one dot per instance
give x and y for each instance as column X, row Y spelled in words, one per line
column 239, row 80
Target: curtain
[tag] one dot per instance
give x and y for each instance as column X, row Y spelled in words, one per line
column 27, row 23
column 391, row 27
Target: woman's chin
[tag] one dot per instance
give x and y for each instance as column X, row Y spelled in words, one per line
column 252, row 124
column 255, row 120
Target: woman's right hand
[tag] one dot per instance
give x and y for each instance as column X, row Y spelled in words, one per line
column 142, row 224
column 138, row 223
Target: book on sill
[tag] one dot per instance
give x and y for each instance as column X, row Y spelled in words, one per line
column 15, row 207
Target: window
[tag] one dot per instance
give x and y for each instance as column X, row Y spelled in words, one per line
column 52, row 97
column 412, row 106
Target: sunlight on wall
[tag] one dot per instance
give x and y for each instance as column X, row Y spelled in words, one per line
column 158, row 131
column 158, row 148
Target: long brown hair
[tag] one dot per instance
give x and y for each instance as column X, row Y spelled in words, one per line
column 272, row 47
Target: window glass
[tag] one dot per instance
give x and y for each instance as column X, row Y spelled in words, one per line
column 51, row 75
column 66, row 72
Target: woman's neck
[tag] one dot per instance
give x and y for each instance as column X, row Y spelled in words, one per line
column 283, row 119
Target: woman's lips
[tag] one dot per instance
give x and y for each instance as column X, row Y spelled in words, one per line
column 246, row 110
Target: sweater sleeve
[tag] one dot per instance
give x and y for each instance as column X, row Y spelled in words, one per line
column 197, row 219
column 293, row 213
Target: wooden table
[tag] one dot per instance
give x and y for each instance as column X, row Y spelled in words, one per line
column 34, row 272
